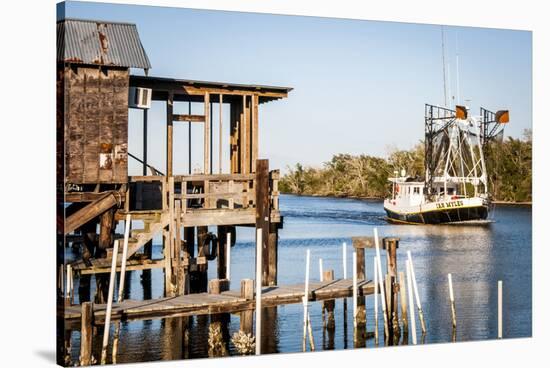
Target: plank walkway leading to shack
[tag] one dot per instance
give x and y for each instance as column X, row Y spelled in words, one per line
column 227, row 302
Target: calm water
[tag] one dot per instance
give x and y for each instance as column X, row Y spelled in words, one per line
column 476, row 256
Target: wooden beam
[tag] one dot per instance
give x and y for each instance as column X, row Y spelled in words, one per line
column 220, row 128
column 189, row 117
column 255, row 132
column 92, row 210
column 169, row 134
column 263, row 213
column 207, row 134
column 242, row 138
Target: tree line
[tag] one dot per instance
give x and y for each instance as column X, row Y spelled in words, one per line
column 508, row 168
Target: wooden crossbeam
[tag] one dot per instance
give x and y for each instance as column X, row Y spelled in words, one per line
column 189, row 117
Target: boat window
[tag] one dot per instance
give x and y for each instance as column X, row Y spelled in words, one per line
column 417, row 190
column 450, row 191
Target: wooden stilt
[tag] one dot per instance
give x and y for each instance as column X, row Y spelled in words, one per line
column 86, row 333
column 247, row 293
column 109, row 305
column 411, row 302
column 417, row 295
column 259, row 274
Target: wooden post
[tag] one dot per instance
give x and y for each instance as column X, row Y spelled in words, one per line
column 68, row 288
column 121, row 282
column 273, row 246
column 222, row 252
column 220, row 136
column 207, row 133
column 254, row 128
column 263, row 215
column 452, row 300
column 259, row 273
column 228, row 256
column 169, row 134
column 415, row 286
column 360, row 317
column 109, row 305
column 381, row 282
column 411, row 302
column 344, row 261
column 328, row 275
column 86, row 333
column 245, row 169
column 247, row 293
column 217, row 286
column 189, row 139
column 354, row 289
column 105, row 241
column 124, row 256
column 305, row 301
column 499, row 333
column 403, row 298
column 375, row 268
column 321, row 269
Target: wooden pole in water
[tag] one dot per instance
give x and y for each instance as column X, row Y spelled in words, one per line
column 305, row 302
column 310, row 334
column 452, row 299
column 499, row 309
column 121, row 282
column 381, row 283
column 375, row 268
column 86, row 333
column 403, row 298
column 411, row 302
column 109, row 305
column 344, row 260
column 354, row 266
column 417, row 295
column 228, row 256
column 68, row 289
column 321, row 269
column 258, row 290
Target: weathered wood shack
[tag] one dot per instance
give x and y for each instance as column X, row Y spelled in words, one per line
column 95, row 90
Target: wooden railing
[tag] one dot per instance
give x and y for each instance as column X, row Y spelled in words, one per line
column 199, row 192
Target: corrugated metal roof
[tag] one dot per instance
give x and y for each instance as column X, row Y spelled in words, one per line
column 102, row 43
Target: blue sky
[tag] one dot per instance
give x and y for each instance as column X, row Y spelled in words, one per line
column 359, row 86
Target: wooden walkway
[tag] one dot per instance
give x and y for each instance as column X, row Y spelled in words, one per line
column 226, row 302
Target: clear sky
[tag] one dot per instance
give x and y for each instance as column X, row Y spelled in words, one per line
column 359, row 86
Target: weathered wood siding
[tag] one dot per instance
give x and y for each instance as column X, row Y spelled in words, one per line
column 96, row 125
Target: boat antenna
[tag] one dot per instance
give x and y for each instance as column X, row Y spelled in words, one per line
column 457, row 71
column 444, row 69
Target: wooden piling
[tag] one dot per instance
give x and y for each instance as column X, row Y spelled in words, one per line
column 403, row 299
column 247, row 316
column 328, row 306
column 122, row 279
column 263, row 214
column 228, row 256
column 305, row 302
column 86, row 333
column 499, row 333
column 381, row 282
column 452, row 300
column 417, row 295
column 375, row 268
column 411, row 302
column 109, row 305
column 259, row 251
column 360, row 317
column 354, row 264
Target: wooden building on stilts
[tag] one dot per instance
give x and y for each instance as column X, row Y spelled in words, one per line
column 95, row 92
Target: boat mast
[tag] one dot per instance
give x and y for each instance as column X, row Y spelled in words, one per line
column 444, row 70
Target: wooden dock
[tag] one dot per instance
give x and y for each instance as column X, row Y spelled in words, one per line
column 229, row 301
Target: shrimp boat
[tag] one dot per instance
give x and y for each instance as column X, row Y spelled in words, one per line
column 455, row 187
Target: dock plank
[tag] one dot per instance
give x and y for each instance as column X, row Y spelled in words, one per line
column 227, row 302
